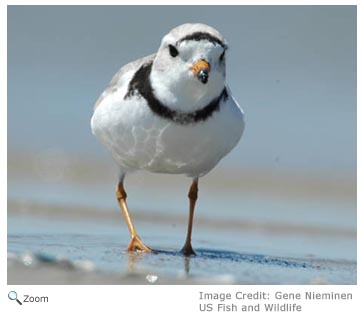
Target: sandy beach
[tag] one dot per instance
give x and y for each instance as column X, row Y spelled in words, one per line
column 274, row 240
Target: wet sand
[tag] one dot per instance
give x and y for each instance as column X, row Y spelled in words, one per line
column 251, row 227
column 59, row 245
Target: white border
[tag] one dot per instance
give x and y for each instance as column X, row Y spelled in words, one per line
column 158, row 299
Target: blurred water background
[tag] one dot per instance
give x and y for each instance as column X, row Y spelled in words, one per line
column 288, row 189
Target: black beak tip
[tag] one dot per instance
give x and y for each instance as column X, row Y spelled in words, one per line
column 203, row 76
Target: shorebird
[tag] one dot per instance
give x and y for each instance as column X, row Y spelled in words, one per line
column 170, row 112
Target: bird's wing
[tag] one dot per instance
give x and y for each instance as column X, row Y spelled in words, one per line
column 123, row 76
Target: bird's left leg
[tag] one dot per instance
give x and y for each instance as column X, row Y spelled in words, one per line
column 187, row 250
column 136, row 243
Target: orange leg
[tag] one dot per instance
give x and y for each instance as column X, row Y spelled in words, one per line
column 135, row 244
column 187, row 250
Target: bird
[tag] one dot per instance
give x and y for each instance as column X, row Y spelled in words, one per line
column 170, row 112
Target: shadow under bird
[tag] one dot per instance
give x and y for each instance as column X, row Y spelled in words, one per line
column 170, row 112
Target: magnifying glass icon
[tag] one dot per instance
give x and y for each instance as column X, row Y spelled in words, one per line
column 12, row 295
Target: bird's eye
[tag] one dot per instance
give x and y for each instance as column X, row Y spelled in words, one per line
column 173, row 51
column 221, row 57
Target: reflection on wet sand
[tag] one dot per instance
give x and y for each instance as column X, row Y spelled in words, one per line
column 72, row 219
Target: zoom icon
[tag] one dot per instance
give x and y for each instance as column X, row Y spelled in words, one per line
column 12, row 295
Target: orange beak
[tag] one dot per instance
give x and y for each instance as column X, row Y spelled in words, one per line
column 200, row 65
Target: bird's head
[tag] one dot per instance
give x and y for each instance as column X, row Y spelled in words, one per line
column 189, row 68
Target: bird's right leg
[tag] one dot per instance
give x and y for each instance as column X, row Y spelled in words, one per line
column 136, row 243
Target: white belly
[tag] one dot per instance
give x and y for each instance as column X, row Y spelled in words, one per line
column 140, row 140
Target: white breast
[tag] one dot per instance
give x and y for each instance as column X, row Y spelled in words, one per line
column 140, row 140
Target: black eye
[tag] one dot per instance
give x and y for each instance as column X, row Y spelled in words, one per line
column 221, row 57
column 173, row 51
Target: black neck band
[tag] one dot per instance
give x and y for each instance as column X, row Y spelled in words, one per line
column 141, row 83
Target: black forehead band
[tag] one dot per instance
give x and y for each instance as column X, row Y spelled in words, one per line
column 198, row 36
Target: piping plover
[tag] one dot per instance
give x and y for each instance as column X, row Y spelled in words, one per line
column 170, row 112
